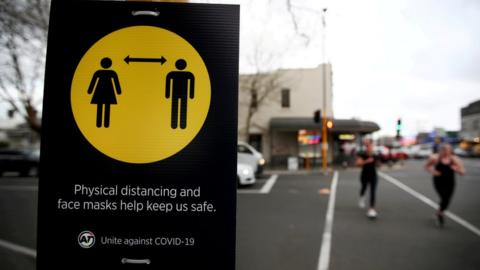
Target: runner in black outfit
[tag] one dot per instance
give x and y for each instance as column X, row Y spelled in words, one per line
column 368, row 178
column 443, row 167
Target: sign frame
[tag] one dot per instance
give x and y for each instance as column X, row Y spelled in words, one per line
column 73, row 172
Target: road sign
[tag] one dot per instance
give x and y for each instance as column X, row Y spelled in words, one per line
column 138, row 162
column 150, row 114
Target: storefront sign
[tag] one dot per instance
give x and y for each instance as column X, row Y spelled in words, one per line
column 346, row 137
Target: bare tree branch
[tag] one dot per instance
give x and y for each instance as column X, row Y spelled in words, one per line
column 259, row 89
column 24, row 25
column 295, row 22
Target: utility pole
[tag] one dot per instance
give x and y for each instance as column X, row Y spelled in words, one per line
column 324, row 109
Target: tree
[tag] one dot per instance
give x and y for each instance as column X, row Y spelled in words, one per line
column 258, row 88
column 24, row 26
column 294, row 18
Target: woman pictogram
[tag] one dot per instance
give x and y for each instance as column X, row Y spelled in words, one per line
column 104, row 85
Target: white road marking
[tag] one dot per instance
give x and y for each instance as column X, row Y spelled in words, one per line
column 18, row 249
column 266, row 188
column 19, row 188
column 431, row 203
column 269, row 184
column 324, row 259
column 248, row 191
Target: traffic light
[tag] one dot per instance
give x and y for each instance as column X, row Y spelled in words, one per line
column 329, row 124
column 399, row 127
column 317, row 116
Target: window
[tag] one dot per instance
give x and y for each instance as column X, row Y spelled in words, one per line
column 254, row 102
column 285, row 98
column 243, row 149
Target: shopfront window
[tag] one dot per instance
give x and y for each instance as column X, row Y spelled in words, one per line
column 309, row 143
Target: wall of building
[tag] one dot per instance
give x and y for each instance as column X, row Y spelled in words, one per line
column 306, row 95
column 283, row 145
column 470, row 126
column 470, row 114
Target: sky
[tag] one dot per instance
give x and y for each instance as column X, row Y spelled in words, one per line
column 408, row 59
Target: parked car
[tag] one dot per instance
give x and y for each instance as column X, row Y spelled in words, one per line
column 245, row 174
column 423, row 151
column 382, row 153
column 22, row 161
column 400, row 153
column 247, row 154
column 460, row 152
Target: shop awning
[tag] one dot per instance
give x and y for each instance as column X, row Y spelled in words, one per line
column 339, row 125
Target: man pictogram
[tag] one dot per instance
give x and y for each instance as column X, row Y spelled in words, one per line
column 180, row 84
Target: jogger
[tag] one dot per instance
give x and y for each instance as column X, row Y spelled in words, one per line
column 368, row 178
column 443, row 167
column 369, row 181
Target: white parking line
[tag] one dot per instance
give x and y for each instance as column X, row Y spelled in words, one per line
column 324, row 259
column 266, row 188
column 429, row 202
column 269, row 184
column 19, row 249
column 19, row 188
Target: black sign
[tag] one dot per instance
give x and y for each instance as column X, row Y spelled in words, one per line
column 138, row 165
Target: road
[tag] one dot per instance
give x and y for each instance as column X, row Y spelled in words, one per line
column 283, row 229
column 18, row 212
column 281, row 222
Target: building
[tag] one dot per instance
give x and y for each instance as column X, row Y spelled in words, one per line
column 470, row 115
column 276, row 115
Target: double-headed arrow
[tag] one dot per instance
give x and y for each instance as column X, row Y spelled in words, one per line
column 129, row 59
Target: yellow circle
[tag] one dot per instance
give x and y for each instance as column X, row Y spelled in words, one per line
column 141, row 126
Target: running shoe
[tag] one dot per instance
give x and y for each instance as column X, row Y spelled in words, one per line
column 440, row 220
column 371, row 213
column 361, row 202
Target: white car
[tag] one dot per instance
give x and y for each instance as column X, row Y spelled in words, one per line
column 460, row 152
column 423, row 151
column 249, row 155
column 245, row 174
